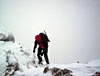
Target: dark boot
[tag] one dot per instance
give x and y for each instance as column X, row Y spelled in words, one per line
column 40, row 63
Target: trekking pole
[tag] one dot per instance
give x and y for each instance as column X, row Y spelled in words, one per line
column 46, row 36
column 45, row 32
column 34, row 57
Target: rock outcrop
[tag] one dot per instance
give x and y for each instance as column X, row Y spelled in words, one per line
column 96, row 74
column 6, row 36
column 57, row 71
column 13, row 56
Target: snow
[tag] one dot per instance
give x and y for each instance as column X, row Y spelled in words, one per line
column 94, row 63
column 77, row 69
column 14, row 53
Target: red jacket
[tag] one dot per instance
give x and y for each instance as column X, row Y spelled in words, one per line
column 38, row 39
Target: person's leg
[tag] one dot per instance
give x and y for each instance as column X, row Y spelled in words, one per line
column 46, row 55
column 42, row 53
column 39, row 55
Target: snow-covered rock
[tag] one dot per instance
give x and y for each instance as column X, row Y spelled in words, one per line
column 58, row 71
column 13, row 57
column 6, row 36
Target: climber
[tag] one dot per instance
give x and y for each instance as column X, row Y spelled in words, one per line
column 42, row 40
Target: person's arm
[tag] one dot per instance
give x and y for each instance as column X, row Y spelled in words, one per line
column 35, row 45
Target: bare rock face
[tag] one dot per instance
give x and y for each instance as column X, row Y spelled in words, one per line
column 57, row 71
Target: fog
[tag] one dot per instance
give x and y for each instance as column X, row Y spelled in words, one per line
column 73, row 26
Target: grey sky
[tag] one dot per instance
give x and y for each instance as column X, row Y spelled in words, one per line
column 73, row 26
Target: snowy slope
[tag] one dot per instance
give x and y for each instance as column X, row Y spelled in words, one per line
column 13, row 54
column 77, row 69
column 15, row 60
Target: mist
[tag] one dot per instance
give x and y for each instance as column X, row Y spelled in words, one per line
column 73, row 26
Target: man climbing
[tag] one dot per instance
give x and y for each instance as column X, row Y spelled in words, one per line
column 42, row 40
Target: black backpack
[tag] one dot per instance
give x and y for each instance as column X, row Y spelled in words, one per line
column 44, row 37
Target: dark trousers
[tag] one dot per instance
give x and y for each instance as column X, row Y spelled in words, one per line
column 44, row 52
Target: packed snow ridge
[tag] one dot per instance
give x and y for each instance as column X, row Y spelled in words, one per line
column 15, row 60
